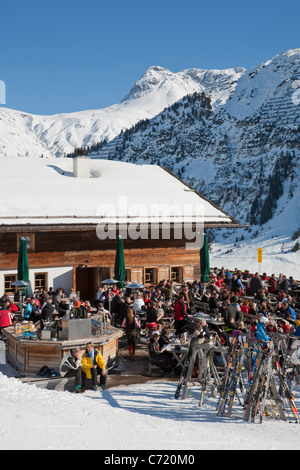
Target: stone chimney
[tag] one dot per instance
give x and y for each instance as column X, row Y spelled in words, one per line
column 81, row 164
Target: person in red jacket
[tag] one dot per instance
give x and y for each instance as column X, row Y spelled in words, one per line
column 6, row 319
column 272, row 284
column 245, row 306
column 8, row 305
column 283, row 326
column 271, row 326
column 219, row 282
column 180, row 311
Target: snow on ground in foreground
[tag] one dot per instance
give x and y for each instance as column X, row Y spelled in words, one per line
column 136, row 417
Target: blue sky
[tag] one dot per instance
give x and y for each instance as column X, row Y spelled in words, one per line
column 65, row 56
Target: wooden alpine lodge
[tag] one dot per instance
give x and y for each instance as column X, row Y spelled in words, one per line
column 58, row 204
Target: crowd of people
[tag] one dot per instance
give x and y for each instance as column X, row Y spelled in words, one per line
column 253, row 303
column 41, row 305
column 249, row 294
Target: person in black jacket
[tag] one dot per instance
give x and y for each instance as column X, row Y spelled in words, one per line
column 124, row 308
column 164, row 338
column 60, row 305
column 163, row 359
column 255, row 284
column 57, row 297
column 230, row 314
column 204, row 331
column 116, row 307
column 213, row 303
column 70, row 366
column 131, row 326
column 284, row 285
column 47, row 310
column 152, row 317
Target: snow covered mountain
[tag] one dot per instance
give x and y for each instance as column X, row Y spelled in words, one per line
column 23, row 134
column 242, row 150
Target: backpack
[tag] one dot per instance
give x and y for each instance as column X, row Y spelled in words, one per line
column 45, row 371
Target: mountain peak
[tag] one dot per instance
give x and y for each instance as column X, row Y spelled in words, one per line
column 151, row 79
column 156, row 68
column 189, row 80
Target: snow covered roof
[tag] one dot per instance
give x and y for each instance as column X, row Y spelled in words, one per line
column 44, row 191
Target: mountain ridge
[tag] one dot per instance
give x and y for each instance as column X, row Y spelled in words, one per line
column 25, row 134
column 244, row 155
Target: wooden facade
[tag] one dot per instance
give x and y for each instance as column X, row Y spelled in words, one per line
column 92, row 260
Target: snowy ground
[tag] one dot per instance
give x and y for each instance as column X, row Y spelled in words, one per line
column 137, row 417
column 277, row 254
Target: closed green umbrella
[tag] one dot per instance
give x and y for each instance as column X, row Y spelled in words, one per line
column 204, row 260
column 23, row 267
column 120, row 271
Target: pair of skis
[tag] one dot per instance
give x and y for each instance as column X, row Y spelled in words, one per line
column 208, row 366
column 232, row 376
column 185, row 369
column 264, row 386
column 237, row 377
column 259, row 385
column 286, row 391
column 182, row 379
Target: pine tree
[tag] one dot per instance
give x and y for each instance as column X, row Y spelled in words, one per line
column 296, row 247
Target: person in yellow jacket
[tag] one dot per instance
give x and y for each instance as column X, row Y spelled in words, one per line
column 93, row 365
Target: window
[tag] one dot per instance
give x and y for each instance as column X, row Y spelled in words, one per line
column 136, row 275
column 40, row 281
column 176, row 274
column 30, row 241
column 150, row 276
column 197, row 272
column 104, row 273
column 8, row 279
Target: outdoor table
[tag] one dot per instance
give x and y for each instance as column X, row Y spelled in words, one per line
column 214, row 321
column 278, row 317
column 250, row 298
column 209, row 319
column 141, row 314
column 179, row 352
column 192, row 322
column 17, row 315
column 169, row 321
